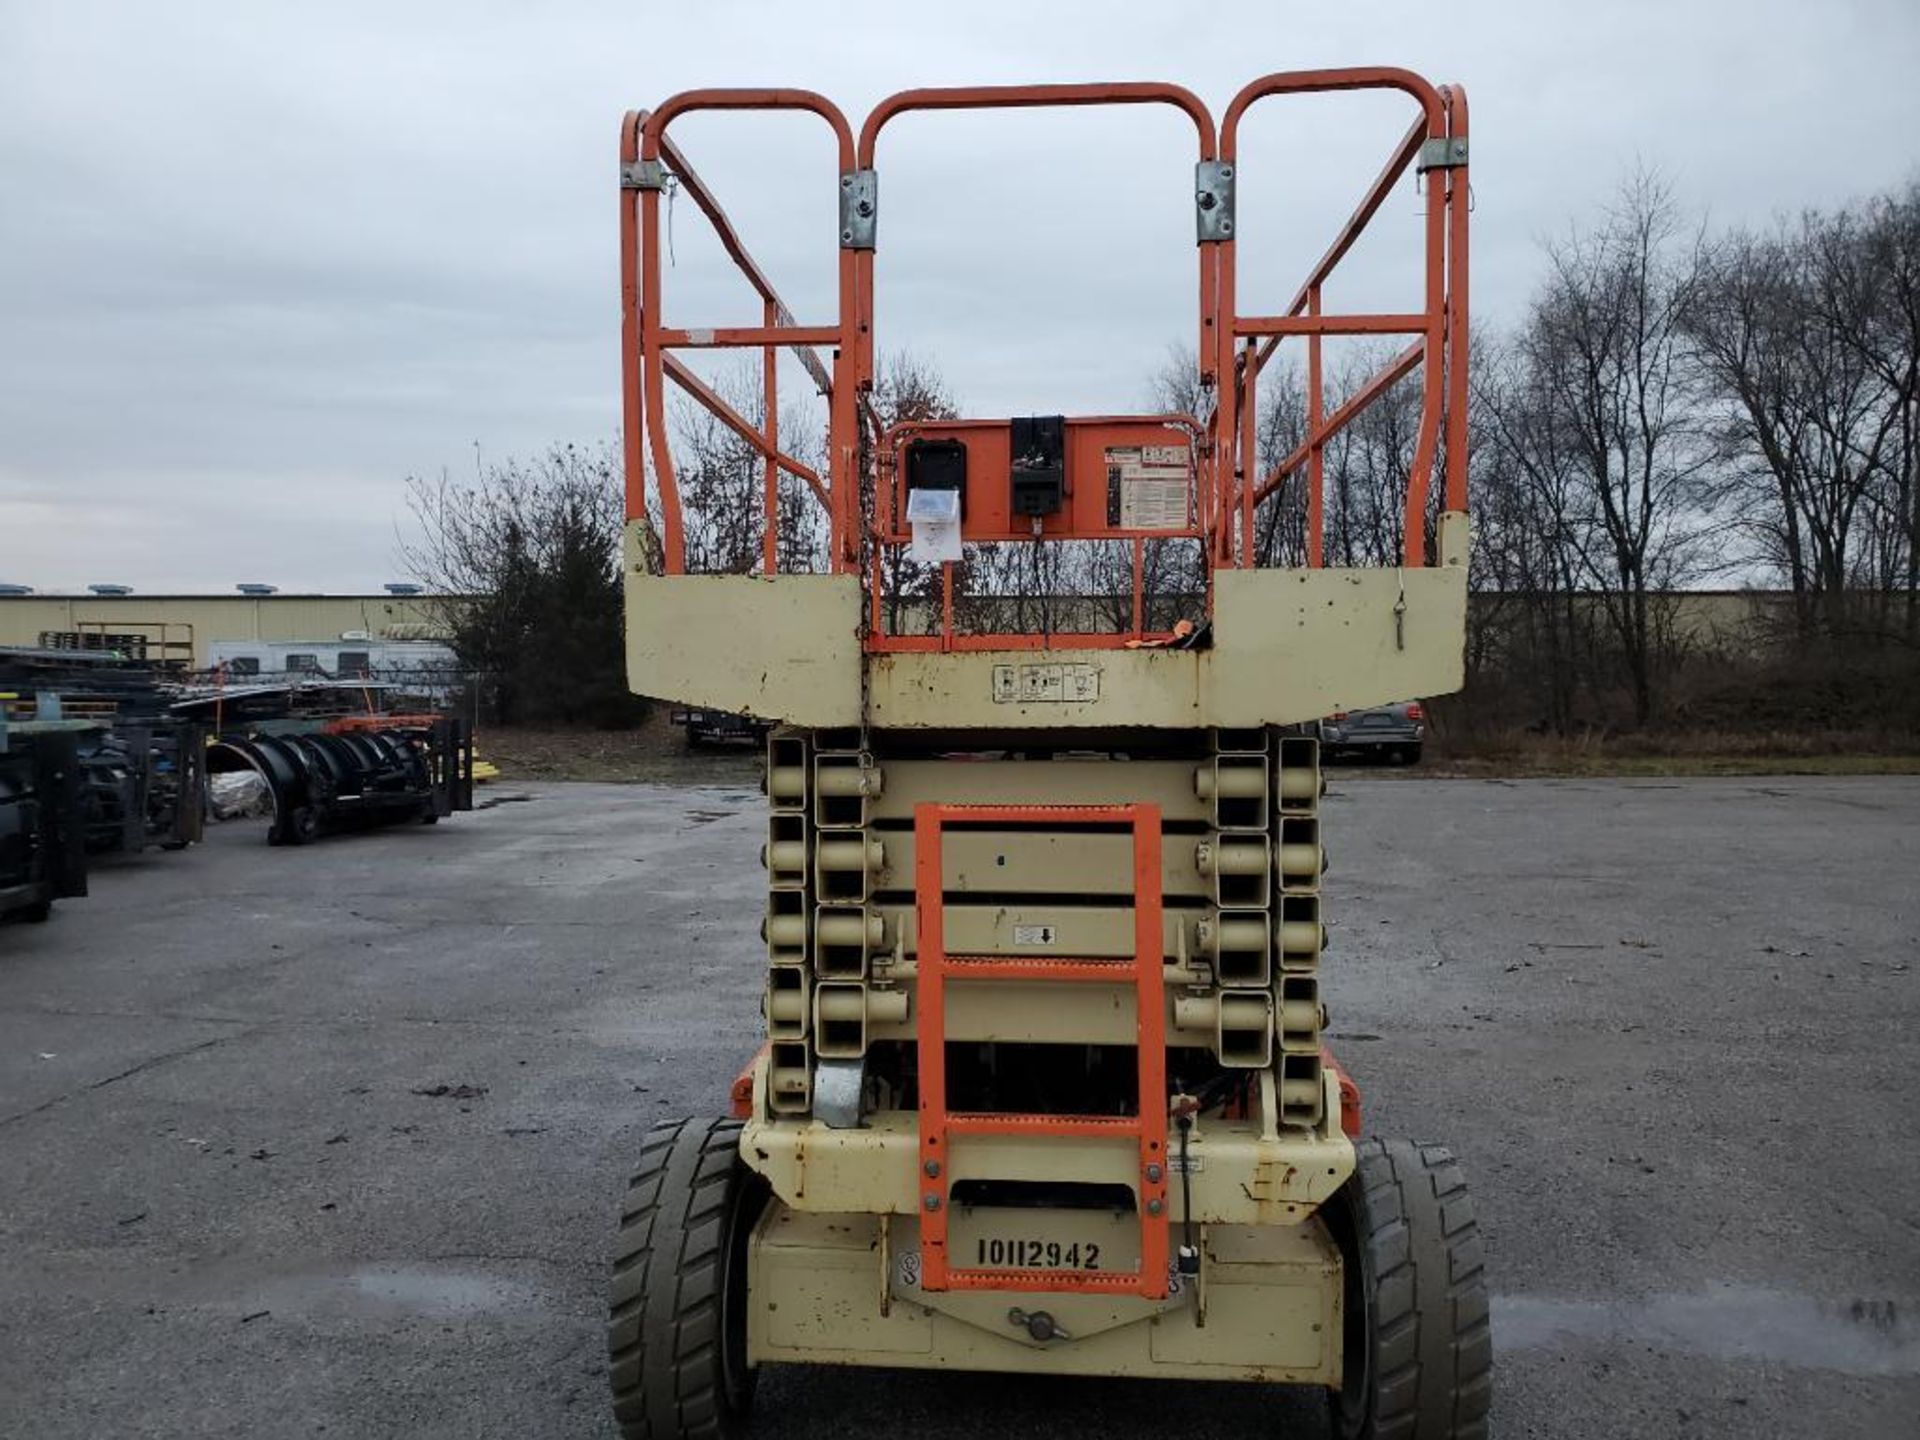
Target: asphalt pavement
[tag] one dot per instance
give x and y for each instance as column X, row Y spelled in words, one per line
column 328, row 1141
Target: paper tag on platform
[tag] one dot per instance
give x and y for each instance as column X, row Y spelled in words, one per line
column 935, row 518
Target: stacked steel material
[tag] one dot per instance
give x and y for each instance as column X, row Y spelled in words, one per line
column 144, row 783
column 141, row 780
column 43, row 854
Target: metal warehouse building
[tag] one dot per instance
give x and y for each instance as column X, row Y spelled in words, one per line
column 195, row 631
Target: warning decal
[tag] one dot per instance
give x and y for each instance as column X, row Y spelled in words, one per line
column 1046, row 684
column 1149, row 487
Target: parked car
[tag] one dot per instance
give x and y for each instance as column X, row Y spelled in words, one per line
column 707, row 727
column 1393, row 733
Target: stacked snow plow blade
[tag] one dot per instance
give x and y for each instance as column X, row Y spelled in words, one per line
column 408, row 769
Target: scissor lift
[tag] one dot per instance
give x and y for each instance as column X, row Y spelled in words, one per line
column 1044, row 1086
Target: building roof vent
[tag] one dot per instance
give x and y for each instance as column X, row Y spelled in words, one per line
column 254, row 587
column 104, row 589
column 402, row 587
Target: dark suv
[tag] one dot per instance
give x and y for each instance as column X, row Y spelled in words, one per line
column 1393, row 733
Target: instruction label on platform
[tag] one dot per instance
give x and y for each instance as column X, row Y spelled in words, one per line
column 1149, row 487
column 1046, row 684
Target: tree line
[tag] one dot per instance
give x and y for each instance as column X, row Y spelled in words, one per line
column 1679, row 408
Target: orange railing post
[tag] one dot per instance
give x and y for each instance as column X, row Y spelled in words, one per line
column 1442, row 122
column 646, row 341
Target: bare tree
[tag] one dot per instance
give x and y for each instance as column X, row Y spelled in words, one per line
column 1529, row 520
column 1887, row 276
column 1368, row 467
column 1280, row 521
column 721, row 480
column 1605, row 345
column 1800, row 335
column 523, row 560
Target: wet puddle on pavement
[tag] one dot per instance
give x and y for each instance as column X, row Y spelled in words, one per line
column 425, row 1290
column 436, row 1292
column 1858, row 1337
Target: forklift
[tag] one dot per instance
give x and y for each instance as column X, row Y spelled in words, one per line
column 1045, row 1086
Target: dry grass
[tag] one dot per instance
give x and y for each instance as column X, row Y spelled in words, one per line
column 1695, row 751
column 657, row 754
column 654, row 753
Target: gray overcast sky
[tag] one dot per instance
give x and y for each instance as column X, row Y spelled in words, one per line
column 259, row 263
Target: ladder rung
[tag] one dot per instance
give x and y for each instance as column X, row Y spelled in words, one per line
column 974, row 1123
column 1042, row 967
column 1043, row 1280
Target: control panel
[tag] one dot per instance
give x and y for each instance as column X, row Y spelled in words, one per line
column 1050, row 476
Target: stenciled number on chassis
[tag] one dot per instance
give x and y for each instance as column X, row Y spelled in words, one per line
column 1037, row 1254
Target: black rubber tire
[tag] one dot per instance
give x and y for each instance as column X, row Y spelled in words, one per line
column 299, row 826
column 1413, row 755
column 1419, row 1348
column 38, row 913
column 677, row 1335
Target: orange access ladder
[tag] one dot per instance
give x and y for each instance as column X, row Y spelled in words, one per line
column 1146, row 1127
